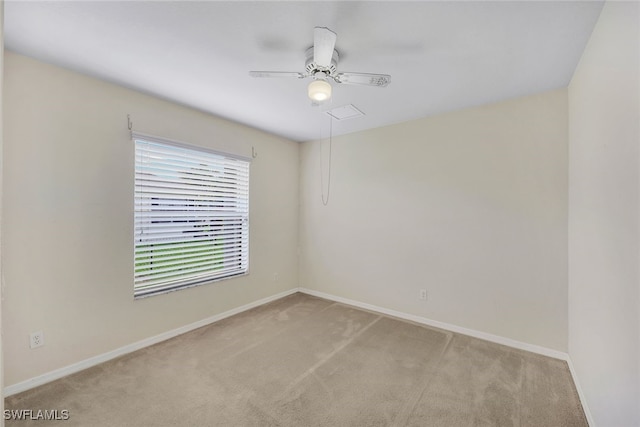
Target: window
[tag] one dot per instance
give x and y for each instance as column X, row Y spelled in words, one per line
column 191, row 216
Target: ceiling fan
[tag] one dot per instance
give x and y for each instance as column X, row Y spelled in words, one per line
column 322, row 65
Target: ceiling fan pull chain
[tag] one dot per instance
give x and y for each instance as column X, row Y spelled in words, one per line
column 326, row 202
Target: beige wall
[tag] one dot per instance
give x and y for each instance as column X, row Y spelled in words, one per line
column 68, row 217
column 604, row 168
column 470, row 205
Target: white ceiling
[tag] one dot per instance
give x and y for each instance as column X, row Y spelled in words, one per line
column 442, row 56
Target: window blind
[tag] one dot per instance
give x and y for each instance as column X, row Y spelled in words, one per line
column 191, row 216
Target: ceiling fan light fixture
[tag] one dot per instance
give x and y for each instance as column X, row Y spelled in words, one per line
column 319, row 90
column 322, row 66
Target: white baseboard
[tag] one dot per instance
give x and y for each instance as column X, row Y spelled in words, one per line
column 442, row 325
column 470, row 332
column 101, row 358
column 96, row 360
column 583, row 398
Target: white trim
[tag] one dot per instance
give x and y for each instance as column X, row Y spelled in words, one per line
column 470, row 332
column 101, row 358
column 442, row 325
column 583, row 398
column 96, row 360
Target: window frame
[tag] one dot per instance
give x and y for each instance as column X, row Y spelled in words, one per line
column 227, row 204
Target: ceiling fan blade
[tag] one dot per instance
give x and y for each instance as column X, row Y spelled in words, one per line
column 365, row 79
column 324, row 41
column 276, row 74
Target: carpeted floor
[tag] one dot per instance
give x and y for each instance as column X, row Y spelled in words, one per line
column 305, row 361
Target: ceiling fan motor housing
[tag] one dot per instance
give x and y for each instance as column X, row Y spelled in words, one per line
column 312, row 68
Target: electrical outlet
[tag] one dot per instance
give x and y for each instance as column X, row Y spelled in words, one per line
column 423, row 294
column 36, row 339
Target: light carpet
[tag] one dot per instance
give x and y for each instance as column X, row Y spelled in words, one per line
column 306, row 361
